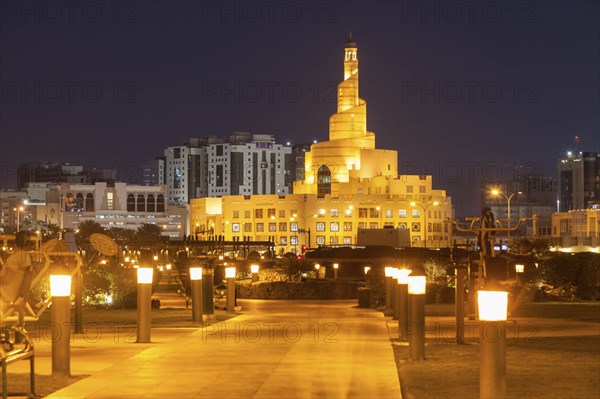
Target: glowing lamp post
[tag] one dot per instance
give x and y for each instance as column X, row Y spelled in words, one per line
column 144, row 303
column 416, row 329
column 254, row 269
column 196, row 283
column 60, row 289
column 230, row 276
column 318, row 270
column 492, row 343
column 367, row 269
column 335, row 270
column 402, row 303
column 388, row 286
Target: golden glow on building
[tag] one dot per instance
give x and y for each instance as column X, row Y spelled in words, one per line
column 349, row 184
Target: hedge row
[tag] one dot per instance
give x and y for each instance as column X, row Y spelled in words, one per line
column 310, row 289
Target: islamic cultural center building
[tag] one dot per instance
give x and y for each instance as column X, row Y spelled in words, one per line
column 349, row 185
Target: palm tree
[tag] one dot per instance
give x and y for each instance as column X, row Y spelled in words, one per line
column 86, row 229
column 148, row 232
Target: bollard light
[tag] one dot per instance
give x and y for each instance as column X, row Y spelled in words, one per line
column 230, row 272
column 417, row 285
column 402, row 303
column 196, row 284
column 520, row 268
column 144, row 303
column 416, row 333
column 254, row 268
column 144, row 275
column 230, row 275
column 60, row 289
column 60, row 285
column 195, row 273
column 402, row 276
column 493, row 305
column 335, row 266
column 317, row 266
column 155, row 257
column 168, row 266
column 367, row 269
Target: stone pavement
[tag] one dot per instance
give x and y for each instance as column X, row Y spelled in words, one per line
column 275, row 349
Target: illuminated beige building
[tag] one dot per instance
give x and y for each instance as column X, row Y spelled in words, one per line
column 349, row 184
column 577, row 231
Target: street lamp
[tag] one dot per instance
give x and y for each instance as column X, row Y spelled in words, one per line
column 19, row 210
column 508, row 198
column 60, row 289
column 413, row 204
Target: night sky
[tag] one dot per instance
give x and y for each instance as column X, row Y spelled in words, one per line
column 462, row 90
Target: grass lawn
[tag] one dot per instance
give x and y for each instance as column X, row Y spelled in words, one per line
column 537, row 367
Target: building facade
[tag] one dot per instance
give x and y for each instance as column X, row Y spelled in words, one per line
column 61, row 172
column 577, row 231
column 120, row 205
column 348, row 185
column 578, row 181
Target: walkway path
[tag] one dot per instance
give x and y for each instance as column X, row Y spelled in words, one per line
column 276, row 349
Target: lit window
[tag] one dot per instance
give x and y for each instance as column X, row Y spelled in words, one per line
column 402, row 213
column 389, row 213
column 320, row 226
column 416, row 213
column 235, row 227
column 294, row 226
column 260, row 227
column 109, row 201
column 294, row 240
column 272, row 226
column 334, row 226
column 320, row 240
column 334, row 213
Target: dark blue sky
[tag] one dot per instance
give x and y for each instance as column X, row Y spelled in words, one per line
column 462, row 90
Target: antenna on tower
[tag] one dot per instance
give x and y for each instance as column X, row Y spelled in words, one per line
column 349, row 35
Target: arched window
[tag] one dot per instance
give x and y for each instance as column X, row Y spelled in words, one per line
column 160, row 203
column 141, row 203
column 69, row 203
column 89, row 202
column 150, row 204
column 79, row 201
column 130, row 203
column 323, row 181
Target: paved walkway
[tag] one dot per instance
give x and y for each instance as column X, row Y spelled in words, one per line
column 276, row 349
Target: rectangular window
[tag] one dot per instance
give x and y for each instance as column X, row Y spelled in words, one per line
column 219, row 178
column 362, row 225
column 283, row 240
column 283, row 226
column 271, row 213
column 294, row 226
column 362, row 213
column 272, row 226
column 373, row 212
column 334, row 213
column 422, row 190
column 373, row 225
column 347, row 226
column 247, row 227
column 348, row 240
column 235, row 227
column 320, row 226
column 320, row 240
column 402, row 213
column 389, row 213
column 333, row 240
column 109, row 201
column 236, row 214
column 219, row 150
column 258, row 213
column 409, row 189
column 334, row 226
column 260, row 227
column 247, row 214
column 416, row 213
column 282, row 213
column 294, row 240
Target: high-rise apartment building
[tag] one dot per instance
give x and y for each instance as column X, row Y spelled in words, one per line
column 578, row 181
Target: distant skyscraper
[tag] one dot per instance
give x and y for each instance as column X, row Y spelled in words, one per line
column 578, row 180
